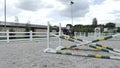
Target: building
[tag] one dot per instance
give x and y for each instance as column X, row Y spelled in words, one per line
column 20, row 27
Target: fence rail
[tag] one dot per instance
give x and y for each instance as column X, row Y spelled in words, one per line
column 14, row 36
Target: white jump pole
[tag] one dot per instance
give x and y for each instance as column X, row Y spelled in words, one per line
column 48, row 35
column 48, row 39
column 60, row 34
column 60, row 40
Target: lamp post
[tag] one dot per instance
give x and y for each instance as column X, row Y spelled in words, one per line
column 5, row 14
column 71, row 3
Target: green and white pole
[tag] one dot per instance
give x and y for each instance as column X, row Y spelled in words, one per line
column 81, row 49
column 100, row 39
column 95, row 47
column 109, row 48
column 87, row 55
column 97, row 40
column 105, row 50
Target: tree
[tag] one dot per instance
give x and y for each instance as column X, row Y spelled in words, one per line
column 94, row 22
column 78, row 28
column 110, row 25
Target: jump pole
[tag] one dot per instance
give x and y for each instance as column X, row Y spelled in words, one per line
column 49, row 50
column 86, row 55
column 72, row 39
column 99, row 48
column 101, row 39
column 60, row 40
column 48, row 39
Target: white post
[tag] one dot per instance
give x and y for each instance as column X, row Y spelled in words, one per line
column 7, row 33
column 60, row 33
column 48, row 35
column 48, row 49
column 31, row 36
column 60, row 40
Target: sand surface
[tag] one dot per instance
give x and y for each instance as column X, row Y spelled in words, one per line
column 26, row 54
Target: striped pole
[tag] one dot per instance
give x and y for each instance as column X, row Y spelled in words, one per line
column 84, row 49
column 109, row 48
column 95, row 47
column 87, row 55
column 105, row 38
column 66, row 38
column 97, row 40
column 100, row 39
column 103, row 49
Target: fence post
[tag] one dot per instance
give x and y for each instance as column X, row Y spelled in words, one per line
column 31, row 36
column 7, row 33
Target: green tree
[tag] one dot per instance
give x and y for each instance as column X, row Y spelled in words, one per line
column 69, row 25
column 78, row 28
column 110, row 25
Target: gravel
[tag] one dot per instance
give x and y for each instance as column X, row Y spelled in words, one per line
column 26, row 54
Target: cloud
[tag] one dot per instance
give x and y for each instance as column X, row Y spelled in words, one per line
column 32, row 5
column 11, row 10
column 98, row 1
column 59, row 11
column 79, row 8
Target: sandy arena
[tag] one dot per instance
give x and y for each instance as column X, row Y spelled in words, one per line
column 26, row 54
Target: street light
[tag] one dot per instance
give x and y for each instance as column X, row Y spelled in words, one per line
column 5, row 14
column 71, row 3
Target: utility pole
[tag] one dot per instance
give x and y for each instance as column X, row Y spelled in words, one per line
column 5, row 14
column 71, row 3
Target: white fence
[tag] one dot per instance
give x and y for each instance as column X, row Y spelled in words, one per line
column 7, row 37
column 14, row 36
column 92, row 34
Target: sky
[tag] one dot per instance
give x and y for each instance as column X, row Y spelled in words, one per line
column 59, row 11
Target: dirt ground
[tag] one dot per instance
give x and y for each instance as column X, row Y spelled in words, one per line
column 27, row 54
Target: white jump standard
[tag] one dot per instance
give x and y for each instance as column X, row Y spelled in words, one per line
column 80, row 42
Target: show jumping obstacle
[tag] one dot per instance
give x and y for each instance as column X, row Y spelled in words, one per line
column 81, row 42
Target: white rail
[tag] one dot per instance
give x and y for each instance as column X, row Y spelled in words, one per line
column 7, row 36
